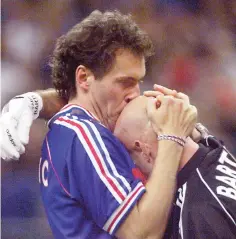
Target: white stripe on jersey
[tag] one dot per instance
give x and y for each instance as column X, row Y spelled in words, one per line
column 92, row 158
column 67, row 108
column 214, row 195
column 184, row 187
column 108, row 158
column 118, row 214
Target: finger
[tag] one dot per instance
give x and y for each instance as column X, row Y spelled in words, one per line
column 13, row 136
column 21, row 149
column 192, row 114
column 160, row 100
column 16, row 106
column 151, row 93
column 5, row 109
column 166, row 100
column 7, row 157
column 183, row 96
column 10, row 141
column 151, row 105
column 23, row 128
column 170, row 97
column 9, row 152
column 195, row 112
column 3, row 155
column 164, row 90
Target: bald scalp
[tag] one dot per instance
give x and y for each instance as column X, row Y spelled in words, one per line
column 132, row 122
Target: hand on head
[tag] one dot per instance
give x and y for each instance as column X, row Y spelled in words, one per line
column 172, row 115
column 141, row 121
column 159, row 90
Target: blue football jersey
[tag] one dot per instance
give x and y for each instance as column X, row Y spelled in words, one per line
column 86, row 178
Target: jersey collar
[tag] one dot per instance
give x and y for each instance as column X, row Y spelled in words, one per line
column 68, row 108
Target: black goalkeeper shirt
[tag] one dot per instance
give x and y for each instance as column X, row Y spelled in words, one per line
column 205, row 202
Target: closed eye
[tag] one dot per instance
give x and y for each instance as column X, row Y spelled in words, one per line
column 128, row 82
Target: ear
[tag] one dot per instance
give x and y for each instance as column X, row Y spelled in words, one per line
column 138, row 146
column 83, row 77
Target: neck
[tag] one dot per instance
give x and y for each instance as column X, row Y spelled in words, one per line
column 90, row 105
column 190, row 149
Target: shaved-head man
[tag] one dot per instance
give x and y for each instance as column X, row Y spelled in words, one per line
column 205, row 203
column 135, row 131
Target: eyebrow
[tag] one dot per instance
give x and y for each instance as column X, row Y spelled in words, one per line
column 125, row 78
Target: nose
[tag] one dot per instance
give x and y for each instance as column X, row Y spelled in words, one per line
column 135, row 92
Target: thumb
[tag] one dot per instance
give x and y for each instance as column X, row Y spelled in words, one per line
column 151, row 106
column 23, row 127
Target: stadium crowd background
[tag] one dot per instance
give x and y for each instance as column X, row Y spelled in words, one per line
column 195, row 44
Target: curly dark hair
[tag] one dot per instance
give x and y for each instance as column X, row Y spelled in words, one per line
column 93, row 43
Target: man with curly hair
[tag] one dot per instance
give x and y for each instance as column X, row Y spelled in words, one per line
column 86, row 174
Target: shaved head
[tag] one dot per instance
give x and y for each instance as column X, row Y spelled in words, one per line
column 134, row 130
column 132, row 122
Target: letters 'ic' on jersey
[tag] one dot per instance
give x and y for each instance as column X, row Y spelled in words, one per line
column 85, row 173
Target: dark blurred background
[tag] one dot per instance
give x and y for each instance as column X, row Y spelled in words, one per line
column 195, row 44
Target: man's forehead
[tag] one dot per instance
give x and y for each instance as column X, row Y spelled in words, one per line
column 128, row 64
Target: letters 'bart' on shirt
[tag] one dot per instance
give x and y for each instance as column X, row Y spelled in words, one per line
column 205, row 202
column 86, row 178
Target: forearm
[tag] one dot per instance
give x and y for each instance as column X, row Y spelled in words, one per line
column 149, row 217
column 52, row 103
column 160, row 189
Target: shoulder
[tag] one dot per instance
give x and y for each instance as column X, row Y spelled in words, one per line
column 86, row 129
column 98, row 134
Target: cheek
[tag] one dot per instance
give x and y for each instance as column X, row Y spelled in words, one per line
column 116, row 96
column 140, row 161
column 106, row 94
column 116, row 90
column 113, row 93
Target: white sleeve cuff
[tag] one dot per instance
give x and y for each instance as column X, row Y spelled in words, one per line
column 113, row 223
